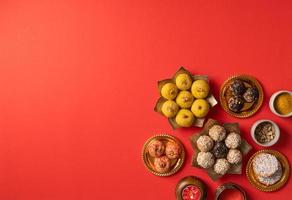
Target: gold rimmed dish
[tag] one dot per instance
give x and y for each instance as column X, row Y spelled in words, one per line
column 148, row 160
column 248, row 109
column 252, row 177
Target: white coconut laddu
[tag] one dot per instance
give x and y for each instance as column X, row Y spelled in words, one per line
column 271, row 180
column 233, row 140
column 205, row 143
column 221, row 166
column 205, row 159
column 217, row 133
column 265, row 165
column 234, row 156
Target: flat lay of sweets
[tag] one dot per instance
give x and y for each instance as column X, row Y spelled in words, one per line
column 219, row 148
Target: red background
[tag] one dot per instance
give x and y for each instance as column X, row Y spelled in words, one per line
column 78, row 87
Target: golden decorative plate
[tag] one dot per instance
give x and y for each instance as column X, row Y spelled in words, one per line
column 148, row 160
column 249, row 109
column 252, row 177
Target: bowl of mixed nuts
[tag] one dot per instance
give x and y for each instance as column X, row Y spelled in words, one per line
column 265, row 132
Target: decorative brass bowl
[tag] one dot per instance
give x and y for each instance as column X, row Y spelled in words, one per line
column 248, row 109
column 148, row 160
column 252, row 176
column 229, row 186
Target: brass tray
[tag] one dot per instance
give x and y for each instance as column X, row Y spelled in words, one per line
column 252, row 177
column 148, row 160
column 249, row 109
column 190, row 180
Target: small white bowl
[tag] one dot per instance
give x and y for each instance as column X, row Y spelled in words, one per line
column 272, row 103
column 272, row 142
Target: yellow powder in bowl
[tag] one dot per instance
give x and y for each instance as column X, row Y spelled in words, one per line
column 283, row 103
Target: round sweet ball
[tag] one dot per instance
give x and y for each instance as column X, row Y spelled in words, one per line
column 233, row 140
column 169, row 108
column 221, row 166
column 205, row 159
column 251, row 94
column 217, row 133
column 183, row 81
column 172, row 150
column 205, row 143
column 220, row 150
column 234, row 156
column 156, row 148
column 237, row 87
column 169, row 91
column 162, row 164
column 235, row 104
